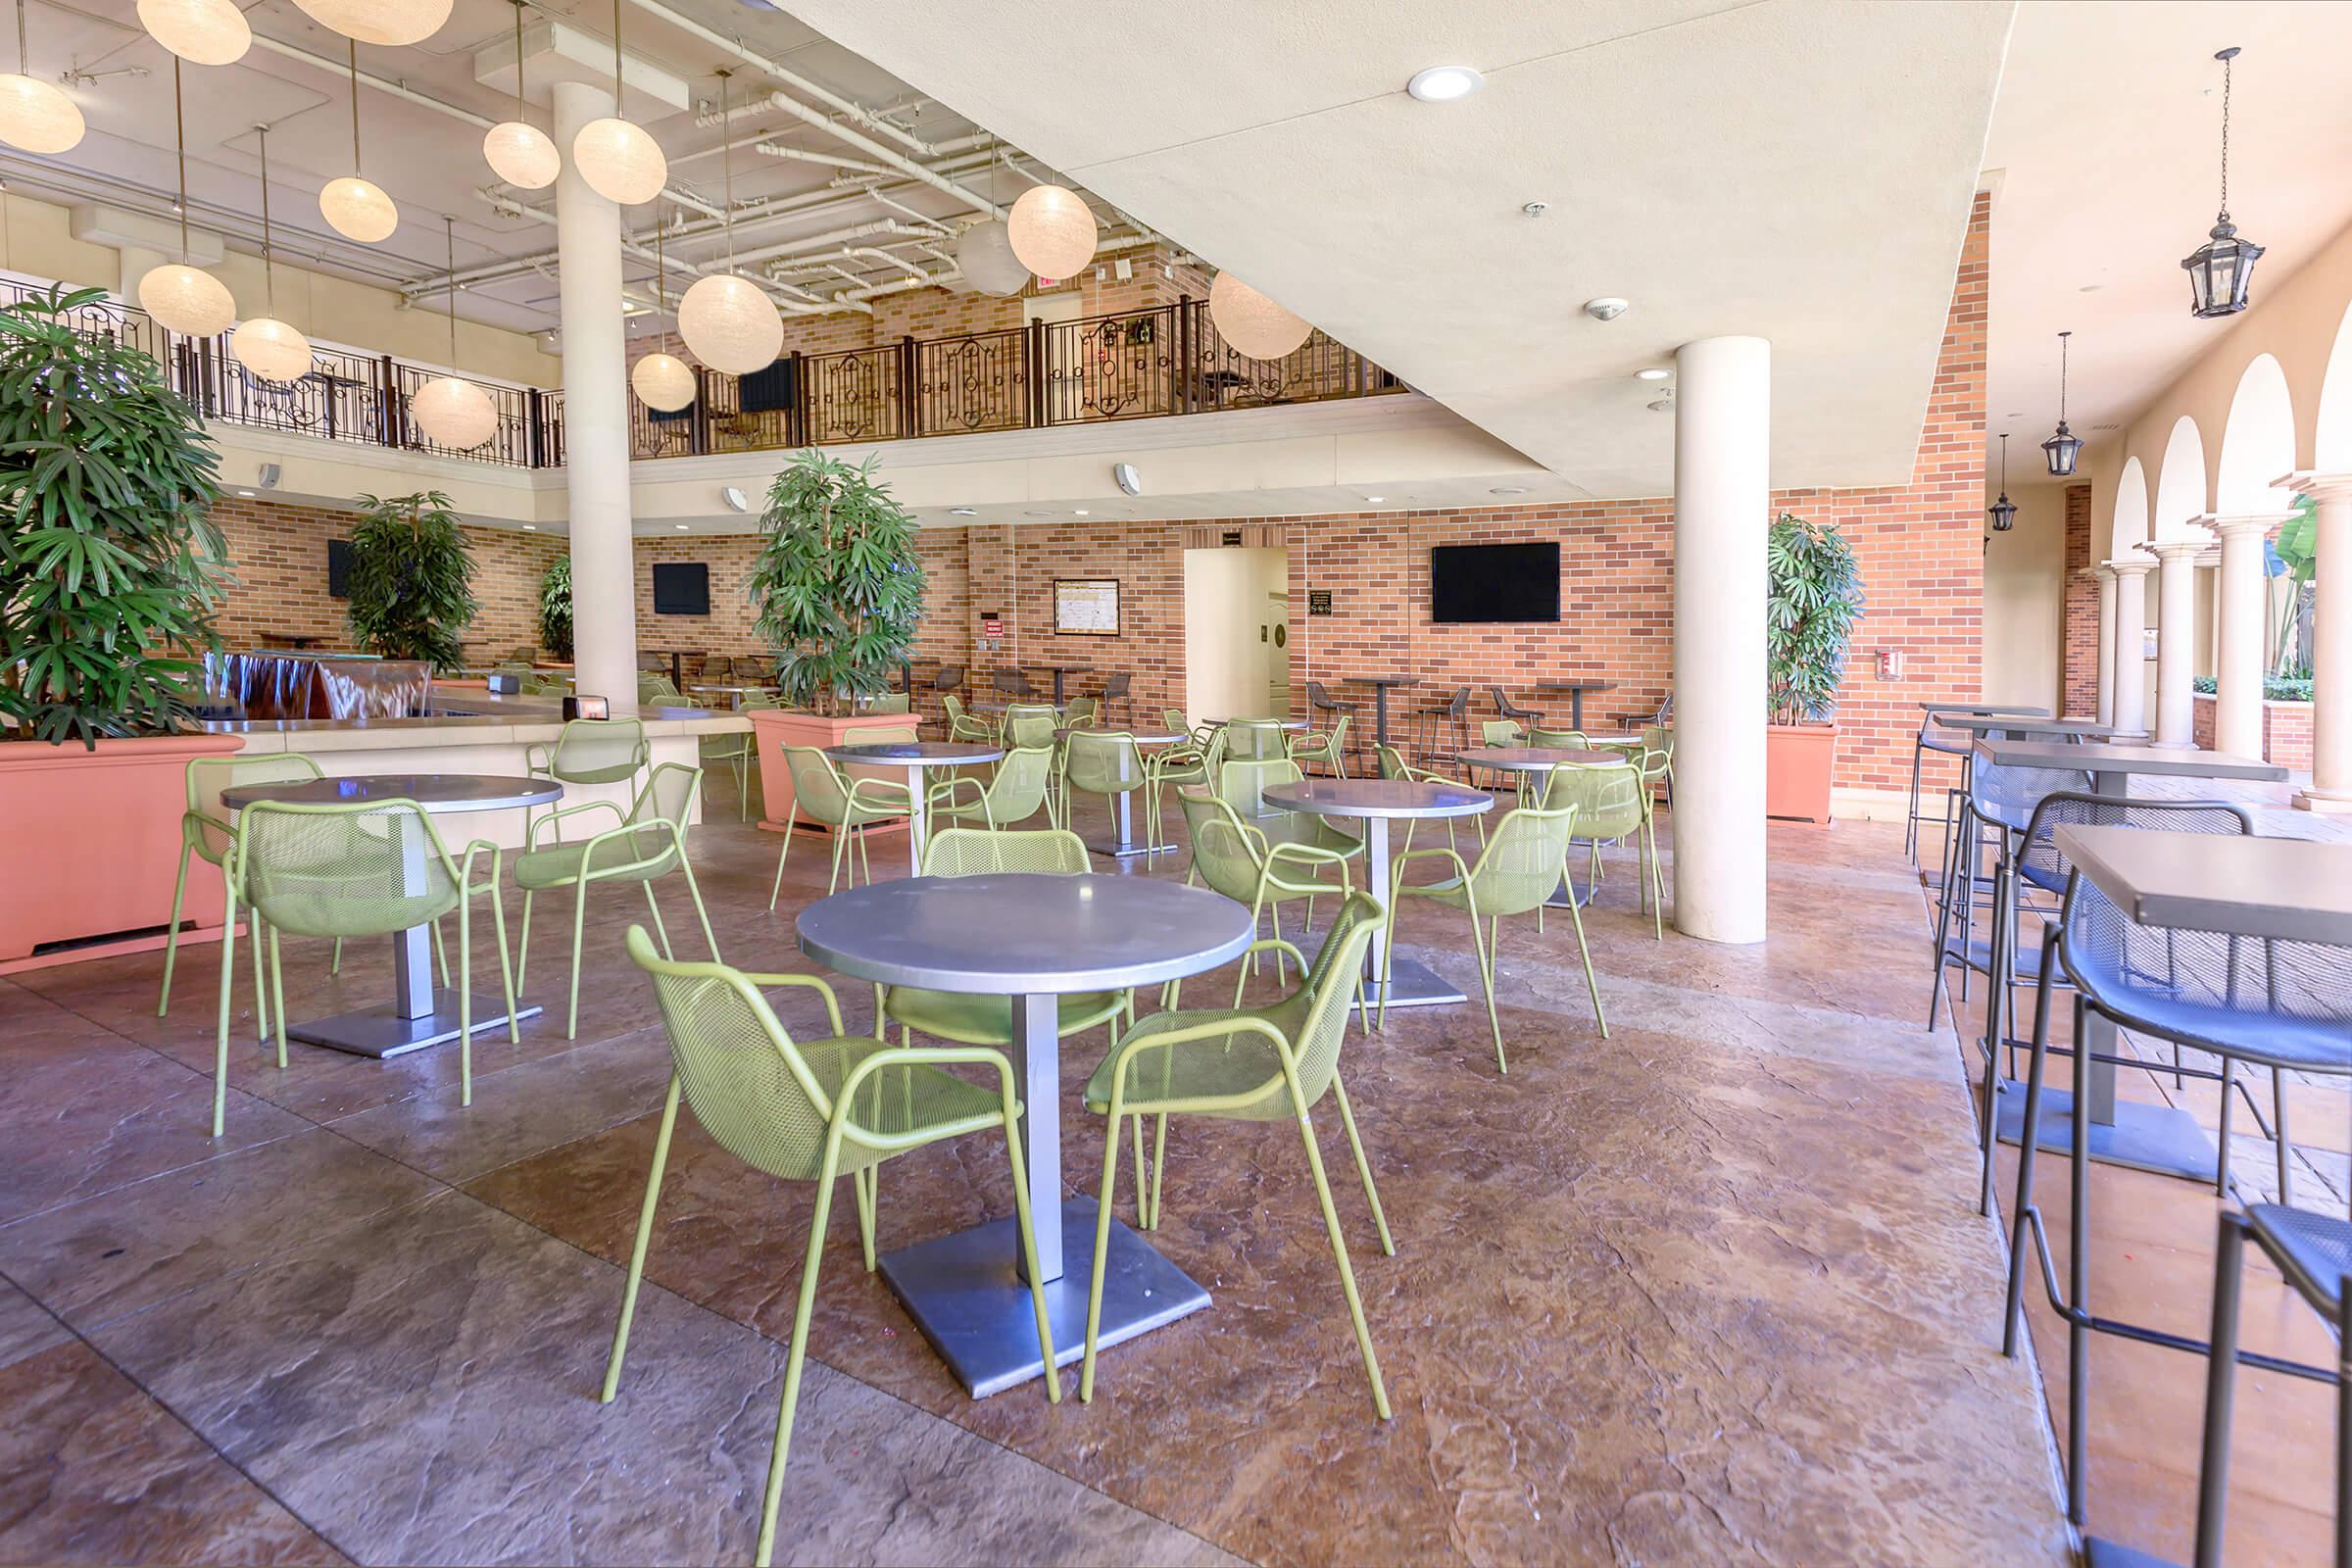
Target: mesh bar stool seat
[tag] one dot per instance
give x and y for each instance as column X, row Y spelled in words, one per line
column 1012, row 682
column 1504, row 707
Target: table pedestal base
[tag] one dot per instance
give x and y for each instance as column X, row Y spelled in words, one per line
column 1413, row 984
column 2142, row 1137
column 967, row 1297
column 382, row 1033
column 1121, row 843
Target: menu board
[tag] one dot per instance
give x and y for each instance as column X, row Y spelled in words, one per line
column 1085, row 606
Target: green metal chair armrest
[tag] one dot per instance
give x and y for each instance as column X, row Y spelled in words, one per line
column 465, row 868
column 1397, row 869
column 845, row 1098
column 539, row 759
column 812, row 982
column 1240, row 1021
column 192, row 824
column 949, row 785
column 893, row 797
column 1277, row 944
column 562, row 811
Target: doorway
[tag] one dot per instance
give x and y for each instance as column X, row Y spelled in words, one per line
column 1236, row 633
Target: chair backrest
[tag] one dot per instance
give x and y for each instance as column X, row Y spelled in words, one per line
column 1458, row 707
column 599, row 751
column 1566, row 740
column 1249, row 738
column 1505, row 706
column 1101, row 762
column 366, row 868
column 210, row 833
column 884, row 735
column 1118, row 683
column 1174, row 718
column 1018, row 791
column 1241, row 784
column 978, row 851
column 1224, row 853
column 656, row 689
column 1525, row 857
column 1030, row 724
column 889, row 703
column 952, row 705
column 950, row 677
column 2042, row 861
column 666, row 795
column 1010, row 681
column 1657, row 749
column 1607, row 799
column 718, row 666
column 1498, row 731
column 818, row 789
column 2009, row 794
column 1081, row 712
column 1316, row 1018
column 1392, row 763
column 1318, row 696
column 1336, row 738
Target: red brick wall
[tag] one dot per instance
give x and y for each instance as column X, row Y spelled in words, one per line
column 2079, row 647
column 2285, row 731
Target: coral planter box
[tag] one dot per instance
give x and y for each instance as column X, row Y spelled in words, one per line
column 93, row 850
column 774, row 729
column 1796, row 770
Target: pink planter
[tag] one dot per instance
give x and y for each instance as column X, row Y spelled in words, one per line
column 1796, row 770
column 775, row 728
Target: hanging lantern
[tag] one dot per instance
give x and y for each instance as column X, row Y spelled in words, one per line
column 2003, row 511
column 523, row 155
column 2220, row 270
column 2063, row 448
column 186, row 299
column 385, row 21
column 620, row 162
column 267, row 346
column 452, row 412
column 983, row 254
column 1052, row 231
column 203, row 33
column 358, row 209
column 1252, row 324
column 663, row 382
column 731, row 324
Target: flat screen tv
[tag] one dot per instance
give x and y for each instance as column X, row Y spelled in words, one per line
column 1494, row 583
column 681, row 588
column 338, row 569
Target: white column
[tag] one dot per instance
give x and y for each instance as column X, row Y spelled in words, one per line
column 1722, row 512
column 2176, row 638
column 2239, row 623
column 2330, row 788
column 2105, row 707
column 2129, row 703
column 596, row 417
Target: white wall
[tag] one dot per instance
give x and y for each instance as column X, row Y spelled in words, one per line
column 2025, row 593
column 1225, row 609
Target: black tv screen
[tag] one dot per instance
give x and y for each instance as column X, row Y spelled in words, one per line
column 681, row 588
column 1494, row 583
column 338, row 569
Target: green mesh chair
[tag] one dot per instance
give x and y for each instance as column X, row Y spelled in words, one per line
column 888, row 703
column 655, row 689
column 1558, row 740
column 646, row 842
column 1610, row 806
column 824, row 794
column 739, row 754
column 1657, row 759
column 1082, row 712
column 1270, row 1063
column 1178, row 724
column 1328, row 747
column 1394, row 766
column 1250, row 739
column 207, row 834
column 811, row 1111
column 1186, row 765
column 364, row 869
column 1235, row 857
column 1105, row 762
column 1520, row 867
column 964, row 726
column 1242, row 785
column 1015, row 794
column 1030, row 724
column 589, row 750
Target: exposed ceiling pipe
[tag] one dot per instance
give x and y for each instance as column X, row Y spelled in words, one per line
column 803, row 154
column 931, row 223
column 806, row 304
column 904, row 164
column 837, row 236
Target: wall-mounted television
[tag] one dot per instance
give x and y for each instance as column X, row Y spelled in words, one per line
column 1471, row 583
column 681, row 588
column 338, row 569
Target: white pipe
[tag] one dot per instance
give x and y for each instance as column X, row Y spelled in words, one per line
column 803, row 154
column 836, row 236
column 816, row 305
column 905, row 165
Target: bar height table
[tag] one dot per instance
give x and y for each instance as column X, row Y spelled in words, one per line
column 1983, row 708
column 917, row 758
column 1031, row 939
column 1576, row 690
column 1062, row 675
column 2025, row 725
column 1380, row 685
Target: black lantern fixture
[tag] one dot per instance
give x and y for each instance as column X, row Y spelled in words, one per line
column 2063, row 448
column 2220, row 268
column 2004, row 510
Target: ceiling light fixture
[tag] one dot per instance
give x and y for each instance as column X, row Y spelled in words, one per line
column 183, row 298
column 964, row 512
column 2220, row 270
column 1442, row 84
column 2004, row 510
column 35, row 116
column 267, row 346
column 1250, row 324
column 617, row 159
column 530, row 528
column 727, row 320
column 681, row 528
column 1606, row 308
column 1052, row 230
column 1376, row 500
column 1082, row 512
column 519, row 152
column 662, row 380
column 352, row 206
column 392, row 22
column 203, row 33
column 1654, row 374
column 453, row 411
column 2063, row 448
column 734, row 497
column 1507, row 490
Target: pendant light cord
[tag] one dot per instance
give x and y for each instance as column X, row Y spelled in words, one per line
column 355, row 107
column 616, row 112
column 268, row 274
column 179, row 135
column 2062, row 337
column 24, row 66
column 726, row 168
column 2228, row 67
column 2004, row 464
column 519, row 61
column 449, row 236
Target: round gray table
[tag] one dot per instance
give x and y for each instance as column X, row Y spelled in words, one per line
column 1542, row 759
column 1121, row 841
column 1034, row 939
column 915, row 757
column 1378, row 801
column 414, row 1018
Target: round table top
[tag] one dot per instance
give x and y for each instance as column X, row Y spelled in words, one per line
column 1376, row 797
column 1278, row 723
column 1013, row 933
column 1140, row 737
column 916, row 754
column 435, row 792
column 1541, row 758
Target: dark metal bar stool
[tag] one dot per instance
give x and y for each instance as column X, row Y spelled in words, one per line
column 1320, row 702
column 945, row 679
column 1118, row 687
column 1930, row 739
column 1429, row 726
column 1504, row 707
column 1012, row 682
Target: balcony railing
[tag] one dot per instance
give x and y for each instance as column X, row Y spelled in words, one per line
column 1164, row 361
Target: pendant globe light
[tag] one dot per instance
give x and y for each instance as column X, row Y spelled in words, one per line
column 984, row 251
column 35, row 116
column 2003, row 511
column 519, row 152
column 203, row 33
column 662, row 380
column 2220, row 270
column 453, row 411
column 1252, row 324
column 265, row 345
column 620, row 162
column 1052, row 230
column 729, row 321
column 394, row 22
column 354, row 207
column 2063, row 448
column 185, row 299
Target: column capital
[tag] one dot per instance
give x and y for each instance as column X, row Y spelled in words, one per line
column 2131, row 567
column 2097, row 570
column 2318, row 486
column 2170, row 550
column 2230, row 524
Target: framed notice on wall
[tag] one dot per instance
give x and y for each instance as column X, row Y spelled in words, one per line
column 1085, row 606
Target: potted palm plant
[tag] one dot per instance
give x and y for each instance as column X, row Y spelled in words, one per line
column 837, row 589
column 410, row 582
column 1813, row 589
column 555, row 609
column 110, row 574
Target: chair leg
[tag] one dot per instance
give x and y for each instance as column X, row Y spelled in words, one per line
column 464, row 1000
column 1339, row 1253
column 179, row 894
column 2285, row 1145
column 522, row 949
column 1094, row 1289
column 645, row 1231
column 840, row 843
column 778, row 888
column 661, row 931
column 336, row 967
column 694, row 891
column 277, row 994
column 579, row 919
column 797, row 1356
column 260, row 980
column 506, row 966
column 1026, row 1222
column 2078, row 1290
column 1159, row 1164
column 2220, row 1391
column 862, row 1186
column 1591, row 981
column 1363, row 1165
column 2024, row 1227
column 228, row 975
column 1143, row 1173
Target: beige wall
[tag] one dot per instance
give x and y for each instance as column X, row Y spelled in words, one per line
column 1227, row 595
column 2024, row 585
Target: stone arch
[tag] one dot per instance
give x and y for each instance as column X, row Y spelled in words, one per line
column 2181, row 489
column 2258, row 442
column 2130, row 526
column 2331, row 435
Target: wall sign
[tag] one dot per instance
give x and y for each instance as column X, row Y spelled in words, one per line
column 1233, row 536
column 1318, row 601
column 991, row 624
column 1085, row 606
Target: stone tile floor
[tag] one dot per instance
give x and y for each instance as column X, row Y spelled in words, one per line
column 1710, row 1290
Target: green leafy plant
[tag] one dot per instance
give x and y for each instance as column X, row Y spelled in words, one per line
column 110, row 569
column 1813, row 598
column 2296, row 554
column 411, row 579
column 2274, row 688
column 554, row 607
column 837, row 587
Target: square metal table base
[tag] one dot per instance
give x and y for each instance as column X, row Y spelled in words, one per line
column 382, row 1033
column 1413, row 984
column 1118, row 850
column 964, row 1292
column 2151, row 1138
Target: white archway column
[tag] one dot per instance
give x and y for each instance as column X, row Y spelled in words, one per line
column 596, row 417
column 2129, row 703
column 2330, row 788
column 2177, row 638
column 1722, row 513
column 2104, row 709
column 2238, row 627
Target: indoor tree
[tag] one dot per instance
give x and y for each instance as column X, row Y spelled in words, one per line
column 554, row 607
column 411, row 579
column 1813, row 598
column 837, row 586
column 109, row 567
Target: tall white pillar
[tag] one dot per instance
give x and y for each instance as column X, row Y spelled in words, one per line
column 2176, row 638
column 2105, row 707
column 2129, row 704
column 595, row 415
column 2331, row 787
column 1722, row 512
column 2240, row 622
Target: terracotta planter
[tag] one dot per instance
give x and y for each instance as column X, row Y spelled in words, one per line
column 775, row 728
column 92, row 849
column 1796, row 770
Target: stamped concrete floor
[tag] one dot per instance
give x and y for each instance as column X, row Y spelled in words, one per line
column 1711, row 1289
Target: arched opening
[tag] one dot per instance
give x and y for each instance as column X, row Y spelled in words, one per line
column 2179, row 482
column 2331, row 438
column 2258, row 443
column 2131, row 524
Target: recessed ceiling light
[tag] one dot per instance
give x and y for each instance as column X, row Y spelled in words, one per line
column 1082, row 512
column 1442, row 85
column 1376, row 500
column 246, row 493
column 1654, row 374
column 681, row 528
column 1608, row 308
column 964, row 512
column 530, row 528
column 1509, row 490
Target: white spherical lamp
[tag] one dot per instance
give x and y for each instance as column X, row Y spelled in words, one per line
column 523, row 155
column 454, row 414
column 1052, row 230
column 984, row 251
column 1252, row 324
column 203, row 33
column 663, row 382
column 37, row 116
column 730, row 325
column 187, row 300
column 357, row 209
column 386, row 22
column 271, row 350
column 620, row 162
